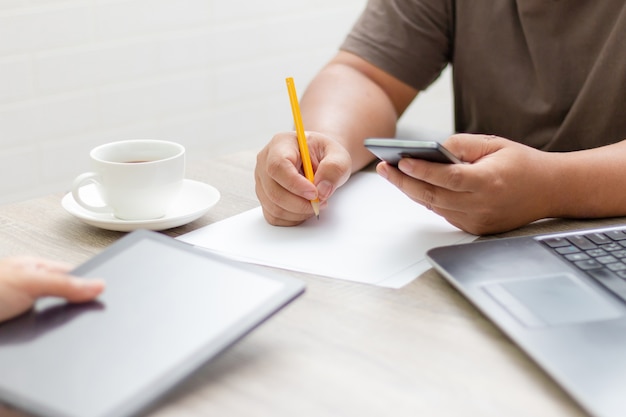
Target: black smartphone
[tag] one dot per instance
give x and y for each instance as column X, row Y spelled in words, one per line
column 392, row 150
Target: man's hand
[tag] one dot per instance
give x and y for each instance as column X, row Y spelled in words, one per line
column 504, row 184
column 285, row 194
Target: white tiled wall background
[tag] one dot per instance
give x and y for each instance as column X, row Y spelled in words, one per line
column 207, row 73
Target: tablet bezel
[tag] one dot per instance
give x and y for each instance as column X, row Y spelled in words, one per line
column 290, row 289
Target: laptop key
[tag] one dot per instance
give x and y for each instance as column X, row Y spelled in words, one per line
column 582, row 242
column 576, row 257
column 596, row 252
column 610, row 280
column 567, row 249
column 616, row 235
column 598, row 238
column 608, row 260
column 556, row 242
column 588, row 264
column 610, row 247
column 618, row 266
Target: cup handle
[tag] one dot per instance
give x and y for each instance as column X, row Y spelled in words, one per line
column 81, row 181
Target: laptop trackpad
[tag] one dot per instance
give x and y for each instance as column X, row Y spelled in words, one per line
column 550, row 301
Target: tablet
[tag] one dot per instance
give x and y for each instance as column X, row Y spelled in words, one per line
column 168, row 308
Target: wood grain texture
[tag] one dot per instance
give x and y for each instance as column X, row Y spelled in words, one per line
column 343, row 348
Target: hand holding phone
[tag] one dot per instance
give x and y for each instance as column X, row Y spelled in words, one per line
column 392, row 150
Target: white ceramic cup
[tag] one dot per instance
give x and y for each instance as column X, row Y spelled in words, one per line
column 136, row 179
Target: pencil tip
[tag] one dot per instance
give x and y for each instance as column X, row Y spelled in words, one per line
column 316, row 208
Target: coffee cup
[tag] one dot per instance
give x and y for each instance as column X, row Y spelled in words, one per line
column 135, row 179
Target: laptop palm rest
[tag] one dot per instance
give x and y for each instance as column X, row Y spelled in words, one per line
column 550, row 301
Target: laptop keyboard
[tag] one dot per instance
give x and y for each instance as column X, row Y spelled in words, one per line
column 601, row 255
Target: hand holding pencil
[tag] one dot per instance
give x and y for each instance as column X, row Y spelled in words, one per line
column 284, row 184
column 302, row 144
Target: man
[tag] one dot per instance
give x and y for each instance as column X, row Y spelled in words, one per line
column 24, row 279
column 540, row 95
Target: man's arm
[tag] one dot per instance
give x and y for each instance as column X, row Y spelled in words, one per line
column 507, row 185
column 351, row 99
column 591, row 183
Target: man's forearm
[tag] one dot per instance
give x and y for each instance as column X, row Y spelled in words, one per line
column 592, row 183
column 345, row 104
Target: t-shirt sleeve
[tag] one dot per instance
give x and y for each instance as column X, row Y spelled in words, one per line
column 409, row 39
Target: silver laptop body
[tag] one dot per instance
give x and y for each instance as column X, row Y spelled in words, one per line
column 559, row 297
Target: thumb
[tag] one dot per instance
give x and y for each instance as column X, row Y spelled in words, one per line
column 331, row 174
column 471, row 147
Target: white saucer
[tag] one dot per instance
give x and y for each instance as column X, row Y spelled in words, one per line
column 195, row 200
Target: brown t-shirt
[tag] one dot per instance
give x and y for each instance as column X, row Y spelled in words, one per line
column 548, row 73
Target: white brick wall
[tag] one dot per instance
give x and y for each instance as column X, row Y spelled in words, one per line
column 207, row 73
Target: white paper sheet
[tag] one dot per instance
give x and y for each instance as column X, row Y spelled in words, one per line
column 370, row 233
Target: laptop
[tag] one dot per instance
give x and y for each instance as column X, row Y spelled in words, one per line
column 168, row 308
column 560, row 298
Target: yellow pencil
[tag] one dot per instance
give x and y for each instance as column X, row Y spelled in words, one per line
column 304, row 148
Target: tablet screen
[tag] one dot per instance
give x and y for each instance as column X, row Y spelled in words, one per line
column 167, row 309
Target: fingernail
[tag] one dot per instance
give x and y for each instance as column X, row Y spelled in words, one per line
column 405, row 166
column 310, row 195
column 88, row 285
column 382, row 170
column 324, row 189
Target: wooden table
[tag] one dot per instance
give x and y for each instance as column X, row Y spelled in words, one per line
column 343, row 348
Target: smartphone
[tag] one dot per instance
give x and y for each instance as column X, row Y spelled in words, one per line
column 392, row 150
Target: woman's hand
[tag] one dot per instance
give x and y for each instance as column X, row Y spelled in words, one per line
column 24, row 279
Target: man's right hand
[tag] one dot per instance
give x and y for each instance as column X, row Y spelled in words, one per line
column 284, row 192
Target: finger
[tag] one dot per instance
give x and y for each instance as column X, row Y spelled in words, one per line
column 280, row 207
column 472, row 147
column 455, row 177
column 50, row 265
column 333, row 171
column 430, row 196
column 282, row 216
column 286, row 220
column 45, row 283
column 462, row 220
column 283, row 165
